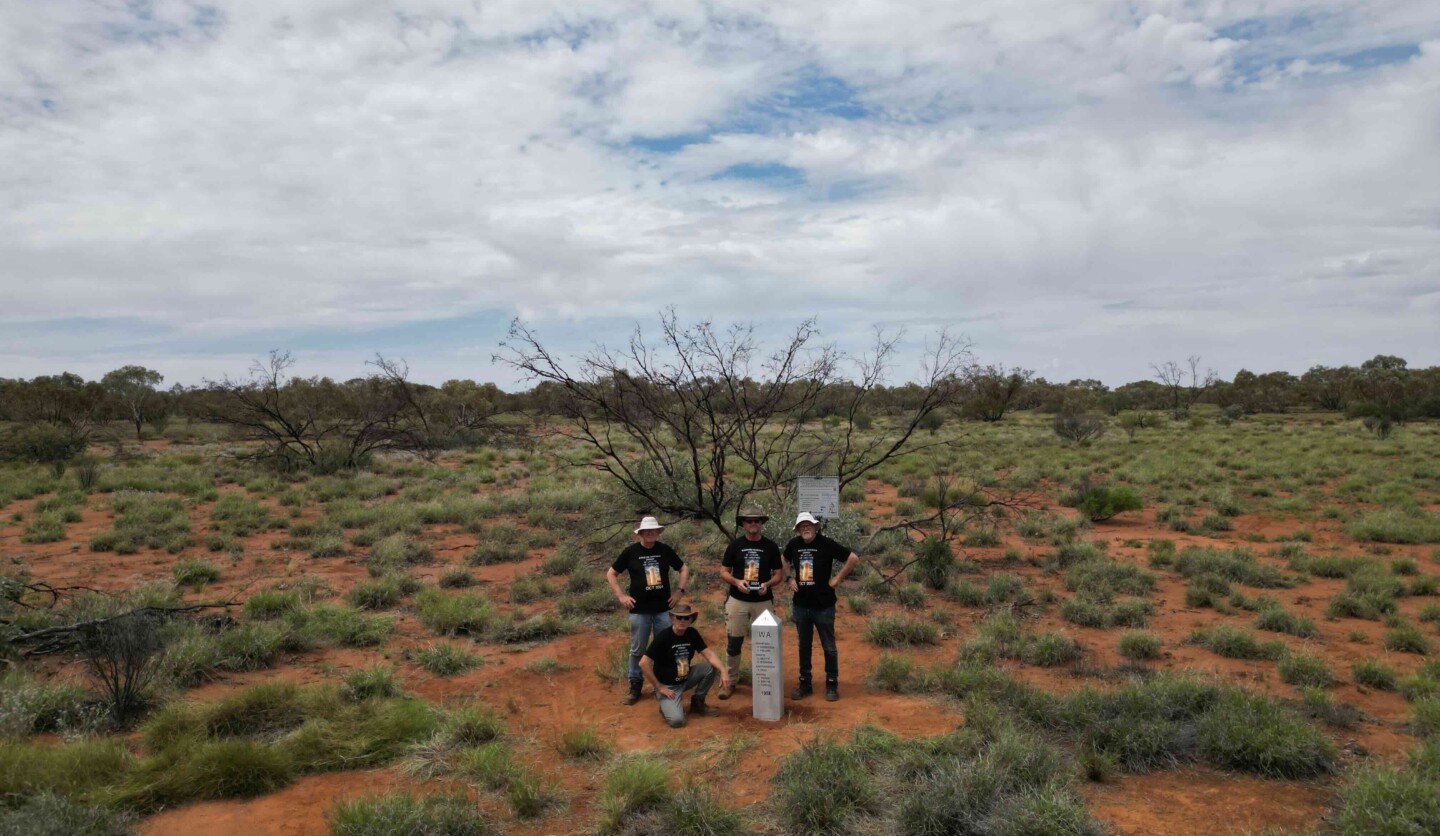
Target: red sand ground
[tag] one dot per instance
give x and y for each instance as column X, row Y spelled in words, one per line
column 540, row 707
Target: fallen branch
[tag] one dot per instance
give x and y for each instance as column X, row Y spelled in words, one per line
column 55, row 639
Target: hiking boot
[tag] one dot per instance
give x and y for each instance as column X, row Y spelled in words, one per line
column 725, row 691
column 801, row 691
column 699, row 708
column 634, row 695
column 832, row 690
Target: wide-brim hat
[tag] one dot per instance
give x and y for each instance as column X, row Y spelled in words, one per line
column 804, row 517
column 751, row 513
column 685, row 609
column 649, row 524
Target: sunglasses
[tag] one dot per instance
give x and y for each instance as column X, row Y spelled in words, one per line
column 747, row 522
column 683, row 617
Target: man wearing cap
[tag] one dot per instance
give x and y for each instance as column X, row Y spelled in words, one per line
column 671, row 667
column 751, row 569
column 811, row 558
column 648, row 563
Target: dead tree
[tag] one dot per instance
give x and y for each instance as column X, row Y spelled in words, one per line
column 695, row 421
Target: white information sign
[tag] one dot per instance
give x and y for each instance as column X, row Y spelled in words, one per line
column 820, row 495
column 767, row 668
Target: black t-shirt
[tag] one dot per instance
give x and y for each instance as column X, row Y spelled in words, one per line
column 674, row 654
column 811, row 565
column 753, row 562
column 649, row 575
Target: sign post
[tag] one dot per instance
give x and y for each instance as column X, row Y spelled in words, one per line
column 767, row 668
column 820, row 495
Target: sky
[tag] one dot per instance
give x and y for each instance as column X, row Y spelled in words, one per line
column 1079, row 188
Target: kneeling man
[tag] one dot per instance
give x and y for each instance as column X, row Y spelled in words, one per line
column 672, row 665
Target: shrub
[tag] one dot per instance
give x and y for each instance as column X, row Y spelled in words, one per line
column 1305, row 670
column 934, row 562
column 822, row 786
column 446, row 659
column 48, row 814
column 892, row 673
column 272, row 603
column 220, row 769
column 123, row 656
column 911, row 596
column 490, row 765
column 194, row 572
column 583, row 743
column 1386, row 799
column 634, row 785
column 71, row 770
column 428, row 815
column 1277, row 620
column 1251, row 733
column 1104, row 578
column 370, row 683
column 381, row 594
column 449, row 615
column 1102, row 503
column 1396, row 525
column 1374, row 674
column 1407, row 639
column 1235, row 643
column 456, row 578
column 1139, row 644
column 1081, row 429
column 1051, row 649
column 887, row 631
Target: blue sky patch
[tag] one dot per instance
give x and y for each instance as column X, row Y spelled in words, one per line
column 1378, row 56
column 775, row 174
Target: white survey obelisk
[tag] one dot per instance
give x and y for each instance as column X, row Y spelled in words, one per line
column 767, row 668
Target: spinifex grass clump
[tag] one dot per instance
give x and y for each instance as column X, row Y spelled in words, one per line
column 423, row 815
column 889, row 631
column 1370, row 593
column 1235, row 643
column 446, row 659
column 1235, row 566
column 239, row 515
column 145, row 520
column 1390, row 799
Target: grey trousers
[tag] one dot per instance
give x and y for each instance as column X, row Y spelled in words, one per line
column 702, row 676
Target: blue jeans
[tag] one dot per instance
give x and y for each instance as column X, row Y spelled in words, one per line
column 643, row 627
column 807, row 622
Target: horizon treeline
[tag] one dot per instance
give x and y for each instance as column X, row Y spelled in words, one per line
column 54, row 417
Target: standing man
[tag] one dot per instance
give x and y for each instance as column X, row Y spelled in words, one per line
column 671, row 668
column 752, row 569
column 649, row 598
column 811, row 558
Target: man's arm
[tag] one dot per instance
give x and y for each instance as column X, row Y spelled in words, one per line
column 647, row 669
column 613, row 578
column 846, row 569
column 717, row 665
column 683, row 586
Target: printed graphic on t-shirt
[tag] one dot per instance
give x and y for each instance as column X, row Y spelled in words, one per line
column 807, row 568
column 752, row 567
column 652, row 573
column 682, row 663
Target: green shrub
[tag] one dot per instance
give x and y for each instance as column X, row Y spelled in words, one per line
column 1374, row 674
column 272, row 603
column 1101, row 579
column 221, row 769
column 381, row 594
column 1305, row 670
column 145, row 520
column 892, row 673
column 822, row 786
column 1386, row 799
column 1407, row 639
column 934, row 562
column 1277, row 620
column 491, row 765
column 370, row 683
column 1235, row 643
column 428, row 815
column 583, row 743
column 1048, row 650
column 72, row 770
column 634, row 785
column 1252, row 733
column 1396, row 525
column 456, row 578
column 48, row 814
column 450, row 615
column 446, row 659
column 1102, row 503
column 888, row 631
column 1139, row 644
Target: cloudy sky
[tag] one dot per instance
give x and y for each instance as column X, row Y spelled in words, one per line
column 1082, row 188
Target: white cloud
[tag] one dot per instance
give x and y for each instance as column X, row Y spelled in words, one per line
column 339, row 167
